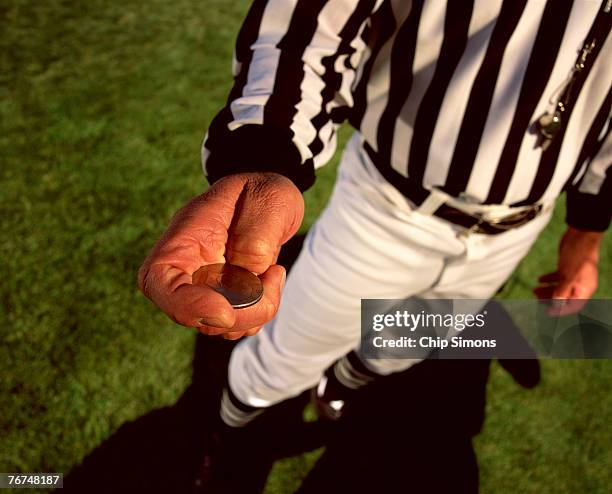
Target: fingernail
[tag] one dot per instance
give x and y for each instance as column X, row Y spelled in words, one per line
column 215, row 322
column 283, row 279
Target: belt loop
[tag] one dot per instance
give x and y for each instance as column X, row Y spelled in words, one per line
column 431, row 204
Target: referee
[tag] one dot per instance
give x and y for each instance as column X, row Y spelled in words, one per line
column 471, row 118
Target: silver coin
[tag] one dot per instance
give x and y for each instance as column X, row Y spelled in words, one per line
column 239, row 286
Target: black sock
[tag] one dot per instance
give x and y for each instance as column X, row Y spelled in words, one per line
column 345, row 376
column 234, row 413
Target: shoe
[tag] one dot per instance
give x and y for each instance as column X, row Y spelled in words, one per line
column 204, row 478
column 234, row 460
column 328, row 404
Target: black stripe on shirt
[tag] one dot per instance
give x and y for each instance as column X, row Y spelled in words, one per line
column 331, row 78
column 456, row 28
column 592, row 145
column 383, row 26
column 402, row 59
column 481, row 95
column 287, row 93
column 548, row 161
column 540, row 65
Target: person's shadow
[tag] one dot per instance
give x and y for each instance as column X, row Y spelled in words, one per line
column 409, row 432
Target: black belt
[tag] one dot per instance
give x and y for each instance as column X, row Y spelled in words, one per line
column 477, row 224
column 472, row 222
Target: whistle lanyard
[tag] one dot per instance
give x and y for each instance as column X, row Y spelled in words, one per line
column 551, row 122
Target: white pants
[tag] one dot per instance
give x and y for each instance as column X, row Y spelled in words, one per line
column 368, row 243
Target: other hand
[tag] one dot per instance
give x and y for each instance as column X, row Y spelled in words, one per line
column 575, row 280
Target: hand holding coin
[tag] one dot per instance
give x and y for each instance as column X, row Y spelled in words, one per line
column 215, row 268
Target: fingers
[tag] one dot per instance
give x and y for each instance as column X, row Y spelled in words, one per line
column 253, row 331
column 567, row 299
column 544, row 292
column 563, row 298
column 565, row 307
column 248, row 321
column 549, row 278
column 233, row 335
column 549, row 282
column 562, row 291
column 198, row 232
column 196, row 306
column 202, row 307
column 196, row 236
column 264, row 310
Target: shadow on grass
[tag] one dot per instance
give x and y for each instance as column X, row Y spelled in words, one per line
column 409, row 432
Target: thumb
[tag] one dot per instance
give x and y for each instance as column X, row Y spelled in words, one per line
column 268, row 213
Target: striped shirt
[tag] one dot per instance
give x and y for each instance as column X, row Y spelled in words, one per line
column 446, row 94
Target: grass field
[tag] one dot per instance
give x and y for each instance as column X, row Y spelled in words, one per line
column 103, row 106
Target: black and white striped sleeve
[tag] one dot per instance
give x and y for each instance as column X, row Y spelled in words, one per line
column 294, row 65
column 589, row 199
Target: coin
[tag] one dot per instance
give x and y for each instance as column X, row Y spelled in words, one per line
column 239, row 286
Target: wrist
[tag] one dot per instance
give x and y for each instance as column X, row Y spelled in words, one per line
column 587, row 236
column 584, row 244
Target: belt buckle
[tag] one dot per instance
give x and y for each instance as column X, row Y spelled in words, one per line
column 501, row 225
column 514, row 220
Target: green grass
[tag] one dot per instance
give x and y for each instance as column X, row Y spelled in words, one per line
column 103, row 106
